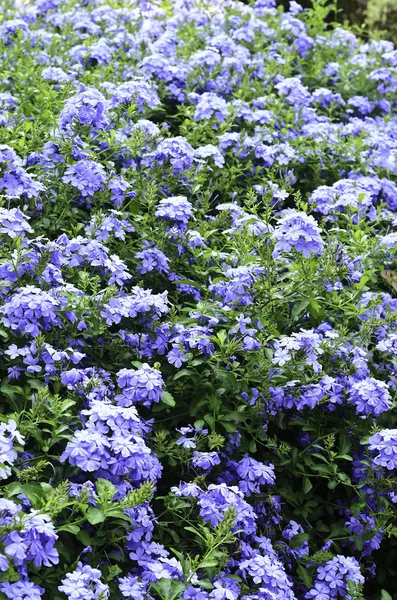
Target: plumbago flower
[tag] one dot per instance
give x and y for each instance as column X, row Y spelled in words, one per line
column 86, row 176
column 177, row 209
column 84, row 582
column 88, row 108
column 384, row 443
column 14, row 223
column 8, row 455
column 333, row 578
column 197, row 305
column 297, row 231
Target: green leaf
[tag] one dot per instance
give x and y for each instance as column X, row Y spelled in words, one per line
column 337, row 530
column 385, row 595
column 207, row 564
column 359, row 544
column 332, row 484
column 188, row 282
column 229, row 427
column 183, row 373
column 299, row 307
column 205, row 584
column 197, row 533
column 344, row 445
column 304, row 575
column 70, row 528
column 84, row 537
column 95, row 515
column 33, row 491
column 105, row 489
column 36, row 384
column 297, row 541
column 362, row 282
column 307, row 485
column 168, row 399
column 210, row 420
column 117, row 513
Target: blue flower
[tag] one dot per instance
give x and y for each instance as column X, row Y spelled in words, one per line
column 87, row 108
column 297, row 231
column 384, row 443
column 84, row 584
column 86, row 176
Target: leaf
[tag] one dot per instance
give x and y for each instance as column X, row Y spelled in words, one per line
column 337, row 530
column 221, row 337
column 117, row 513
column 84, row 537
column 304, row 576
column 385, row 595
column 362, row 282
column 12, row 389
column 359, row 544
column 205, row 584
column 229, row 427
column 197, row 533
column 207, row 564
column 299, row 307
column 95, row 515
column 168, row 399
column 105, row 489
column 345, row 457
column 234, row 416
column 297, row 541
column 70, row 528
column 210, row 420
column 33, row 491
column 183, row 373
column 344, row 445
column 188, row 282
column 36, row 384
column 307, row 485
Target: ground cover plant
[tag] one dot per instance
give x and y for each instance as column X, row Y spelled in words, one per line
column 198, row 307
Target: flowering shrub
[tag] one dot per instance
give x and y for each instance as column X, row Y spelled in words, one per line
column 197, row 303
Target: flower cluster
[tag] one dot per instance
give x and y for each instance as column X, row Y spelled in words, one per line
column 8, row 455
column 385, row 444
column 298, row 231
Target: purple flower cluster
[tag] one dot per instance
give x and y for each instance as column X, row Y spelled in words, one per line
column 297, row 231
column 86, row 583
column 332, row 578
column 177, row 209
column 30, row 310
column 30, row 538
column 87, row 108
column 15, row 181
column 8, row 455
column 370, row 396
column 14, row 223
column 111, row 445
column 384, row 443
column 86, row 176
column 176, row 151
column 142, row 385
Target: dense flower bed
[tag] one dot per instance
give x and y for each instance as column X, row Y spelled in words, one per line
column 197, row 305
